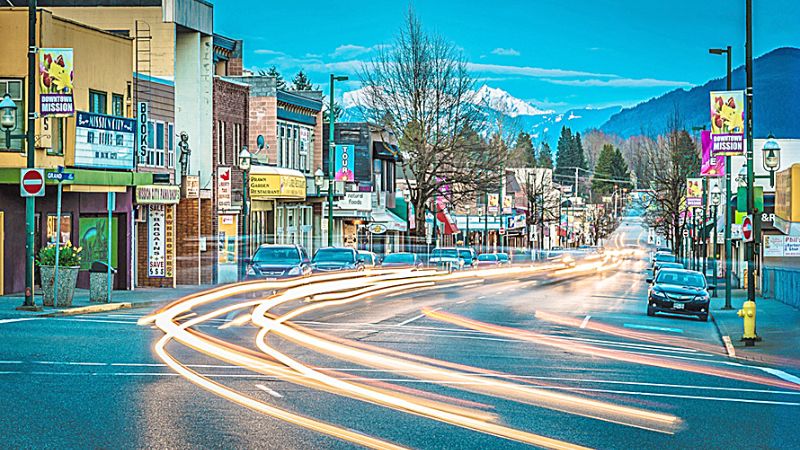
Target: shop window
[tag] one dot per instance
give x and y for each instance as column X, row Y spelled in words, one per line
column 97, row 102
column 171, row 145
column 160, row 144
column 54, row 126
column 14, row 89
column 221, row 142
column 117, row 105
column 52, row 228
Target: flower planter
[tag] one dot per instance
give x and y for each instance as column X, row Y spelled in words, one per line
column 67, row 279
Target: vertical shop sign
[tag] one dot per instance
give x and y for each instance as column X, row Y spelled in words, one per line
column 156, row 247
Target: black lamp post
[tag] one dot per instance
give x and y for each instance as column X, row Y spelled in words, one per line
column 245, row 163
column 716, row 199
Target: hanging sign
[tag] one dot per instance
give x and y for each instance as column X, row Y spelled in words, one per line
column 156, row 241
column 345, row 163
column 713, row 165
column 377, row 228
column 694, row 192
column 727, row 123
column 223, row 188
column 142, row 119
column 169, row 238
column 55, row 82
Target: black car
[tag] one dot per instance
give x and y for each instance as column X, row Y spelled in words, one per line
column 332, row 259
column 679, row 291
column 278, row 261
column 665, row 265
column 398, row 260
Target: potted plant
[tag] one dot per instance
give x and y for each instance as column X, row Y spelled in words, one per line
column 69, row 263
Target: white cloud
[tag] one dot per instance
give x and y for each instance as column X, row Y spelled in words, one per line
column 265, row 51
column 351, row 50
column 620, row 82
column 536, row 72
column 505, row 52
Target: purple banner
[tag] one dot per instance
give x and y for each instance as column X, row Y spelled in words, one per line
column 713, row 165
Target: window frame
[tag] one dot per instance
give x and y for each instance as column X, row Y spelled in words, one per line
column 95, row 93
column 114, row 98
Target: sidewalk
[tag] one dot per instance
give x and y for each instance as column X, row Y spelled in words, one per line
column 777, row 324
column 139, row 298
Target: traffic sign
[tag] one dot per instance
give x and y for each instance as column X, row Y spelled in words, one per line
column 60, row 176
column 747, row 228
column 31, row 182
column 502, row 230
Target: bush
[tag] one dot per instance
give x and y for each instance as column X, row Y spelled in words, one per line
column 69, row 256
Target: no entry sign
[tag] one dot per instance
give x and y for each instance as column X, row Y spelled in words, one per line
column 747, row 228
column 31, row 183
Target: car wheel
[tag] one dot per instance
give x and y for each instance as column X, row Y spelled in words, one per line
column 650, row 311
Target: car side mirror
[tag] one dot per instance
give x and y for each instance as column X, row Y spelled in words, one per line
column 649, row 280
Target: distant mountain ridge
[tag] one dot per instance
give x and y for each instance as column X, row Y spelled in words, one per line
column 776, row 100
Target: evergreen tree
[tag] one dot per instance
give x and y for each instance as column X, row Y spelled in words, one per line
column 279, row 81
column 300, row 82
column 565, row 152
column 337, row 111
column 522, row 155
column 545, row 159
column 579, row 157
column 610, row 166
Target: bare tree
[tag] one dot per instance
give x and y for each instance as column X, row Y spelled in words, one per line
column 672, row 157
column 541, row 195
column 419, row 88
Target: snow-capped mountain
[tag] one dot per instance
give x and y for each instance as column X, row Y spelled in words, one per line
column 503, row 102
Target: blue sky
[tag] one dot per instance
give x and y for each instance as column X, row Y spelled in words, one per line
column 557, row 54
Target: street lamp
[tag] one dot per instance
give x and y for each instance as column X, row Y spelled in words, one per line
column 772, row 158
column 8, row 119
column 407, row 199
column 741, row 177
column 319, row 179
column 331, row 151
column 728, row 219
column 245, row 163
column 716, row 199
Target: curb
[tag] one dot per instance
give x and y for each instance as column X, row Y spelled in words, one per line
column 104, row 307
column 726, row 340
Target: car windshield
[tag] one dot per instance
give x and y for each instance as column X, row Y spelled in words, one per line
column 465, row 254
column 339, row 255
column 487, row 257
column 403, row 258
column 502, row 257
column 665, row 257
column 444, row 253
column 681, row 278
column 276, row 255
column 367, row 257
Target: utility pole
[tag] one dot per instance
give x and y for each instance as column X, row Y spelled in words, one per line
column 750, row 247
column 728, row 221
column 30, row 205
column 331, row 151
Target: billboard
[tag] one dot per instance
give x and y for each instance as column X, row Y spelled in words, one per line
column 55, row 82
column 345, row 163
column 694, row 192
column 727, row 123
column 104, row 142
column 712, row 165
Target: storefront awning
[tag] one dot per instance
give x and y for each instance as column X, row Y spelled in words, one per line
column 448, row 225
column 389, row 220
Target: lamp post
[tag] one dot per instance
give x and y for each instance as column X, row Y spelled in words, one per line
column 407, row 199
column 331, row 151
column 468, row 209
column 716, row 198
column 245, row 163
column 728, row 218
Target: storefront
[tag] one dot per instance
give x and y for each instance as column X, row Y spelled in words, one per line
column 278, row 212
column 351, row 214
column 155, row 234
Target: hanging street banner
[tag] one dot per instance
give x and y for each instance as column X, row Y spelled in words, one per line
column 508, row 203
column 345, row 163
column 103, row 141
column 694, row 192
column 713, row 165
column 494, row 203
column 156, row 242
column 727, row 123
column 55, row 82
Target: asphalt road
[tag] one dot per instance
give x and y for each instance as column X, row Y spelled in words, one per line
column 95, row 381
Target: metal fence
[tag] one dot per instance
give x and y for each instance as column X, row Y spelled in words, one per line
column 782, row 284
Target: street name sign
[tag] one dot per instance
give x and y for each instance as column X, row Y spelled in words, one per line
column 31, row 182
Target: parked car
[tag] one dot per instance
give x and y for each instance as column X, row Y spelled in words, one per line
column 488, row 260
column 446, row 258
column 370, row 259
column 469, row 256
column 278, row 261
column 665, row 265
column 503, row 259
column 663, row 257
column 679, row 291
column 399, row 260
column 331, row 259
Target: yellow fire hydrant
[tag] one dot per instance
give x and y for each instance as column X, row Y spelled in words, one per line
column 748, row 314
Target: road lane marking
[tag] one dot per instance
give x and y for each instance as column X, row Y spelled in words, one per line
column 654, row 328
column 18, row 320
column 585, row 321
column 460, row 302
column 729, row 346
column 406, row 322
column 268, row 391
column 781, row 374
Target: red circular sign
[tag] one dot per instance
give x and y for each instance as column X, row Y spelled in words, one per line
column 747, row 228
column 32, row 182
